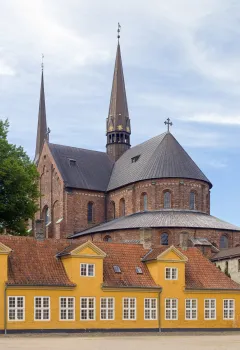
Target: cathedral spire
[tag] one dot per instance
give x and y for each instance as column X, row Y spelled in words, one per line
column 42, row 130
column 118, row 122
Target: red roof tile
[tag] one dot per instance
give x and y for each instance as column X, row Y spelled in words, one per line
column 33, row 262
column 200, row 273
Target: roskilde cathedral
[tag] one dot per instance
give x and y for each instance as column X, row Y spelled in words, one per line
column 152, row 193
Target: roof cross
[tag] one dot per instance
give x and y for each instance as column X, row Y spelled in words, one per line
column 168, row 123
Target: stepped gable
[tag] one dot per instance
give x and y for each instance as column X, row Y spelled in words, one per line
column 81, row 168
column 160, row 157
column 162, row 218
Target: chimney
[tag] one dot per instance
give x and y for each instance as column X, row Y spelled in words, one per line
column 39, row 229
column 184, row 240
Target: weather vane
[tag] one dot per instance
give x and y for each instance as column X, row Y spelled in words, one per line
column 168, row 123
column 42, row 65
column 118, row 31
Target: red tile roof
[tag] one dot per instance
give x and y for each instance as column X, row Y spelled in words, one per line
column 34, row 262
column 200, row 273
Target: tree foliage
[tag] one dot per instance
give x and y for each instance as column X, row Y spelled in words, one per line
column 18, row 185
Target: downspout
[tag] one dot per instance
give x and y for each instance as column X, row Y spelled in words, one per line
column 159, row 312
column 5, row 310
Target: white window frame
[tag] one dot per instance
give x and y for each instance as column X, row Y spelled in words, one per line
column 129, row 309
column 150, row 309
column 87, row 270
column 16, row 308
column 171, row 273
column 210, row 309
column 88, row 309
column 107, row 308
column 191, row 309
column 228, row 309
column 67, row 308
column 171, row 309
column 42, row 308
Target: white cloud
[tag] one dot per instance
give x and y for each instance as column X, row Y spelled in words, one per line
column 212, row 118
column 217, row 164
column 6, row 69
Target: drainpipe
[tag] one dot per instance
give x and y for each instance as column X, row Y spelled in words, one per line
column 159, row 313
column 5, row 309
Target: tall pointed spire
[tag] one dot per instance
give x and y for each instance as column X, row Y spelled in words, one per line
column 118, row 122
column 42, row 130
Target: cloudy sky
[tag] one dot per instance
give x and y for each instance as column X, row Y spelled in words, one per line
column 181, row 60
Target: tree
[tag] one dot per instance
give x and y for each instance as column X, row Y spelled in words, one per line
column 18, row 186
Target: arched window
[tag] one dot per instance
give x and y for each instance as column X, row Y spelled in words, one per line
column 192, row 200
column 112, row 210
column 122, row 207
column 167, row 200
column 107, row 238
column 164, row 238
column 144, row 202
column 223, row 242
column 46, row 215
column 90, row 212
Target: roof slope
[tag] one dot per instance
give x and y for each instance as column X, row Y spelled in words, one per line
column 227, row 254
column 33, row 262
column 160, row 157
column 200, row 273
column 162, row 218
column 91, row 171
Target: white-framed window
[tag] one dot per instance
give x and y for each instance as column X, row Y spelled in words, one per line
column 67, row 308
column 210, row 309
column 87, row 312
column 107, row 309
column 228, row 309
column 16, row 308
column 129, row 308
column 87, row 270
column 171, row 273
column 191, row 309
column 171, row 309
column 41, row 308
column 150, row 309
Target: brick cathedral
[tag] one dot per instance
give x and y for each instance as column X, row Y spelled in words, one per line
column 152, row 193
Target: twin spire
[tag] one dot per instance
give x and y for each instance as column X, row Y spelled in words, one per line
column 118, row 122
column 42, row 130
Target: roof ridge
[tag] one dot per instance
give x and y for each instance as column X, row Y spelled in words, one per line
column 79, row 148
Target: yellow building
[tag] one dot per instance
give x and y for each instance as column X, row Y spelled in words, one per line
column 62, row 286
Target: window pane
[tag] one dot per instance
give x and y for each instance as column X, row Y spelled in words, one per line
column 164, row 238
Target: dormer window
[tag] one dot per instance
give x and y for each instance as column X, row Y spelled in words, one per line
column 72, row 162
column 87, row 270
column 116, row 269
column 135, row 159
column 139, row 270
column 171, row 273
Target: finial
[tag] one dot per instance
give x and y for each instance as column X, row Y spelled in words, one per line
column 168, row 123
column 118, row 31
column 42, row 65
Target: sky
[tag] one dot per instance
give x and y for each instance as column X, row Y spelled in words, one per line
column 181, row 60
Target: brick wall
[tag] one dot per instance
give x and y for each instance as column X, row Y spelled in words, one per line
column 154, row 235
column 180, row 193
